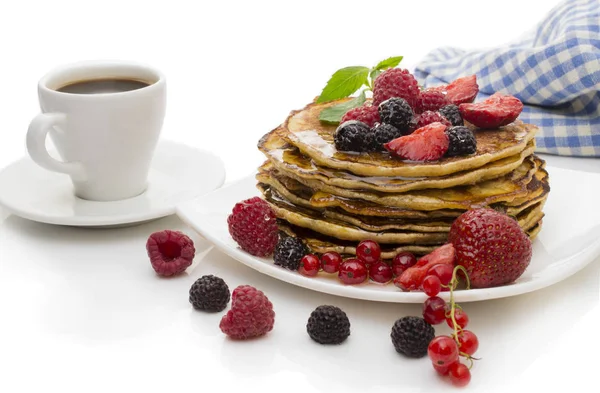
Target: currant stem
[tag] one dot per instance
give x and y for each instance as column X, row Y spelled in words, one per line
column 453, row 285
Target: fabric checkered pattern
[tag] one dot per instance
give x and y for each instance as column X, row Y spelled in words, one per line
column 554, row 70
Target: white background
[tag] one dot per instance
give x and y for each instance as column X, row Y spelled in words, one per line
column 82, row 310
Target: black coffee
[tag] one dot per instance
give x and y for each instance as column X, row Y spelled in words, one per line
column 99, row 86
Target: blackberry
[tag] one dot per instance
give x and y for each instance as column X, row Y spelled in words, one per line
column 350, row 136
column 328, row 325
column 461, row 141
column 209, row 293
column 289, row 252
column 396, row 112
column 452, row 113
column 384, row 133
column 411, row 336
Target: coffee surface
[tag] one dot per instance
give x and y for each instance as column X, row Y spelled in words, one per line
column 103, row 86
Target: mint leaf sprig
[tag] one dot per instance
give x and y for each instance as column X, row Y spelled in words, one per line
column 345, row 82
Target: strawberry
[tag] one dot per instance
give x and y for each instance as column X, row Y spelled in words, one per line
column 413, row 277
column 428, row 143
column 461, row 90
column 498, row 110
column 491, row 246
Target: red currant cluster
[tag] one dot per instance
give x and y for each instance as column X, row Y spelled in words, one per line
column 445, row 351
column 368, row 263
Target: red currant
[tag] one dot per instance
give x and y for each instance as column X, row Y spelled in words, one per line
column 331, row 261
column 403, row 261
column 368, row 251
column 468, row 342
column 431, row 286
column 434, row 310
column 459, row 374
column 443, row 272
column 380, row 272
column 442, row 370
column 461, row 317
column 443, row 351
column 353, row 271
column 309, row 265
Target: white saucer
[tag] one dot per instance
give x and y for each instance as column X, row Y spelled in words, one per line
column 178, row 173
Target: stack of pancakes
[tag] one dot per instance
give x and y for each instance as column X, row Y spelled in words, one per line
column 333, row 200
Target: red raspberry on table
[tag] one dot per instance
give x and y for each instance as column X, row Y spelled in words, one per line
column 170, row 252
column 395, row 82
column 431, row 100
column 429, row 117
column 366, row 113
column 491, row 246
column 253, row 225
column 251, row 314
column 428, row 143
column 498, row 110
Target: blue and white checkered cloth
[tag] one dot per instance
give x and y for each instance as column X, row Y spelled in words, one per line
column 554, row 70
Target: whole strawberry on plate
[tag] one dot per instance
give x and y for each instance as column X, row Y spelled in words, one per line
column 491, row 246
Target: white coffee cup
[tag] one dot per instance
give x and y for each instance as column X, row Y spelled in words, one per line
column 106, row 140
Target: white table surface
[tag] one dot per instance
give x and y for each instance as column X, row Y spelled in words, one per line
column 82, row 310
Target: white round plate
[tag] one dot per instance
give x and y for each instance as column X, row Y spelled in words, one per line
column 569, row 240
column 178, row 173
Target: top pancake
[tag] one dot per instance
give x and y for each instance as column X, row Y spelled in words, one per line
column 315, row 140
column 290, row 161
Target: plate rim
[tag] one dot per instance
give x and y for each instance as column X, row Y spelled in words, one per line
column 583, row 258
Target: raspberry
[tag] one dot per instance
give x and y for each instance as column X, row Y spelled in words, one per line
column 385, row 133
column 396, row 112
column 354, row 136
column 328, row 325
column 461, row 141
column 452, row 113
column 251, row 314
column 411, row 336
column 494, row 238
column 431, row 100
column 209, row 293
column 366, row 114
column 395, row 82
column 425, row 144
column 170, row 252
column 289, row 252
column 429, row 117
column 253, row 225
column 498, row 110
column 461, row 90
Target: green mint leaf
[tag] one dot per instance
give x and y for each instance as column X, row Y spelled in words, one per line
column 390, row 62
column 374, row 74
column 333, row 114
column 344, row 82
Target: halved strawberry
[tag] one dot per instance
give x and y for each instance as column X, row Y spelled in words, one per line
column 498, row 110
column 413, row 277
column 428, row 143
column 460, row 91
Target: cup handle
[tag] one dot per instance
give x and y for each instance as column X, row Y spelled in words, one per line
column 36, row 145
